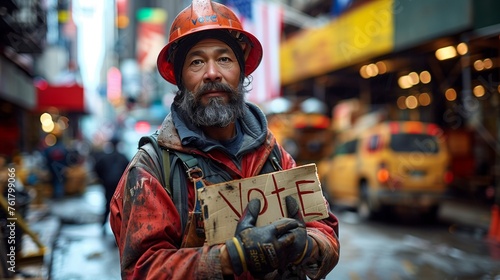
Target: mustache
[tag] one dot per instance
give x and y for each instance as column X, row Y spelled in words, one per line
column 214, row 86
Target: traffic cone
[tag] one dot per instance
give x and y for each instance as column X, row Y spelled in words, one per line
column 494, row 231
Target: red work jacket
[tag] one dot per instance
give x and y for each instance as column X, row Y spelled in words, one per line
column 148, row 230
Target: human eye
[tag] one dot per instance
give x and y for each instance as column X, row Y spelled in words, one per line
column 225, row 61
column 196, row 63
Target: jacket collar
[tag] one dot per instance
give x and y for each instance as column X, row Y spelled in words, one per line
column 177, row 134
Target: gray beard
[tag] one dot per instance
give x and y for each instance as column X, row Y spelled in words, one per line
column 216, row 112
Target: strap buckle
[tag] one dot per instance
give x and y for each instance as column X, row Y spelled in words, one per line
column 193, row 172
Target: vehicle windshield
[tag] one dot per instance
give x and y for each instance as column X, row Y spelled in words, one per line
column 347, row 148
column 406, row 142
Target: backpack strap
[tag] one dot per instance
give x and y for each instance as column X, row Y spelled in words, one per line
column 166, row 170
column 190, row 163
column 160, row 157
column 194, row 174
column 162, row 166
column 275, row 158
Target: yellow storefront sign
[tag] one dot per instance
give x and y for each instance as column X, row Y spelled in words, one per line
column 365, row 32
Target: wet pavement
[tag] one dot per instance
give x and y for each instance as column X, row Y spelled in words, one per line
column 78, row 249
column 413, row 249
column 81, row 253
column 84, row 249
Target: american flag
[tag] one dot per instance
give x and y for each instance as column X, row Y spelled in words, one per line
column 264, row 20
column 243, row 7
column 339, row 6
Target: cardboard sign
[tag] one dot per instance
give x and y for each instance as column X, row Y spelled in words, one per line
column 222, row 204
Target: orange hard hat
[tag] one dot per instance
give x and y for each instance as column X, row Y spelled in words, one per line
column 204, row 15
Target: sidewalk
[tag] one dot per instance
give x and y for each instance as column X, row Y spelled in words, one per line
column 81, row 251
column 466, row 213
column 34, row 262
column 70, row 229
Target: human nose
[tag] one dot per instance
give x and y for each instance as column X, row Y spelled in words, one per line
column 212, row 72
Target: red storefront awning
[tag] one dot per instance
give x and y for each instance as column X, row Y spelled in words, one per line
column 69, row 98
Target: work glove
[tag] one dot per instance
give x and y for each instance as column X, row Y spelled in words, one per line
column 264, row 249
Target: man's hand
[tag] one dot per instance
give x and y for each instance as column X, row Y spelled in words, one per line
column 303, row 244
column 261, row 250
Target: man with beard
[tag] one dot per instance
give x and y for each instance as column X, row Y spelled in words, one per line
column 157, row 228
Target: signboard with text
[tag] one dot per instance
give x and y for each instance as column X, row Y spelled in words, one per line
column 223, row 204
column 364, row 33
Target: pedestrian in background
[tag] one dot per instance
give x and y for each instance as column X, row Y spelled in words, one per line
column 57, row 159
column 109, row 167
column 209, row 56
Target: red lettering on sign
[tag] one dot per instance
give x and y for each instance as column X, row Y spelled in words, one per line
column 301, row 194
column 264, row 209
column 230, row 205
column 277, row 192
column 238, row 213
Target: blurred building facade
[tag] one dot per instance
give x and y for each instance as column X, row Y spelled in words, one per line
column 434, row 61
column 22, row 38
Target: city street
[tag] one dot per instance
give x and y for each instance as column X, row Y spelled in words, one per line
column 407, row 248
column 399, row 247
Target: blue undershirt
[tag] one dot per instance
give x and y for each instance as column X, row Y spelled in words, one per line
column 233, row 145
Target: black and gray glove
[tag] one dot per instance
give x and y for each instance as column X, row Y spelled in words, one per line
column 262, row 250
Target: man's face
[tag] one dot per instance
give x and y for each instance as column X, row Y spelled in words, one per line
column 212, row 94
column 210, row 60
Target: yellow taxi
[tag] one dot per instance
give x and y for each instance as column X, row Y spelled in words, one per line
column 393, row 163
